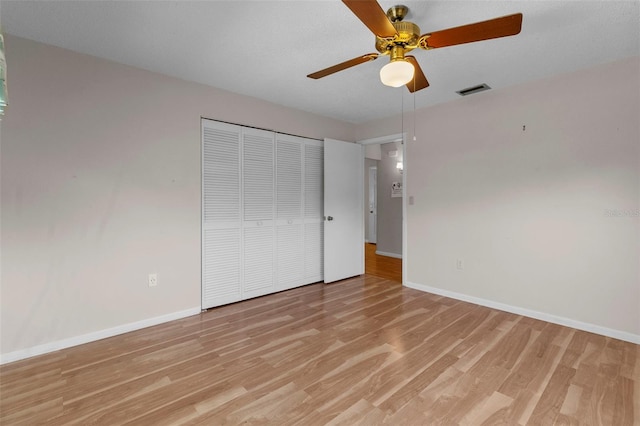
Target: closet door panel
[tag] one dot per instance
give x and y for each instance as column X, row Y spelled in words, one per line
column 313, row 252
column 258, row 262
column 258, row 190
column 290, row 256
column 221, row 174
column 313, row 211
column 289, row 217
column 288, row 178
column 221, row 214
column 221, row 275
column 313, row 180
column 258, row 174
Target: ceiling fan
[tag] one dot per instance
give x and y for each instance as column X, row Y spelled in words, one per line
column 395, row 37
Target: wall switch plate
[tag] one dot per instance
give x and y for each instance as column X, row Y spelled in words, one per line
column 153, row 280
column 459, row 264
column 411, row 200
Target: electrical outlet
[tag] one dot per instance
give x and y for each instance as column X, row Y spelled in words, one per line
column 153, row 280
column 459, row 264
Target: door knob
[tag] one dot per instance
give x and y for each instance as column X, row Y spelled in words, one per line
column 329, row 217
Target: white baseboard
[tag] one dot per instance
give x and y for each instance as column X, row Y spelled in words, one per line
column 568, row 322
column 96, row 335
column 384, row 253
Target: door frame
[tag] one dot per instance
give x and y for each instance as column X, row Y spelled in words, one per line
column 372, row 188
column 397, row 137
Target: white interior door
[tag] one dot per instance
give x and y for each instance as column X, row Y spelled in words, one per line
column 373, row 204
column 343, row 210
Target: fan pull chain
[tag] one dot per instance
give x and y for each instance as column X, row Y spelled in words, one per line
column 402, row 116
column 414, row 116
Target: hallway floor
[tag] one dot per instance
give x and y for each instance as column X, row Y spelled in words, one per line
column 381, row 266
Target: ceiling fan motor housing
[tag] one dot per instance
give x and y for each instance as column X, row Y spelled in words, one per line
column 407, row 37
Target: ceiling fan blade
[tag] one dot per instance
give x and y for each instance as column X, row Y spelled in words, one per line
column 372, row 15
column 419, row 81
column 344, row 65
column 485, row 30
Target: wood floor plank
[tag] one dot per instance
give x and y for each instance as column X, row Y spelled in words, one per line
column 551, row 400
column 361, row 351
column 412, row 388
column 483, row 411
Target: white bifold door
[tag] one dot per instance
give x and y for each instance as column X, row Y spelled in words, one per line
column 262, row 227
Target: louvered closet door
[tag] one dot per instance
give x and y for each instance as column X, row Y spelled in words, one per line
column 221, row 215
column 313, row 211
column 289, row 217
column 262, row 226
column 258, row 218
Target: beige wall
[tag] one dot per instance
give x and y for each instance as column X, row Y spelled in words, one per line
column 100, row 176
column 101, row 186
column 528, row 210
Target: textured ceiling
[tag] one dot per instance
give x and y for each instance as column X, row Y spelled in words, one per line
column 266, row 48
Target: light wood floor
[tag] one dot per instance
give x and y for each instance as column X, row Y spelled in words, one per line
column 361, row 351
column 381, row 266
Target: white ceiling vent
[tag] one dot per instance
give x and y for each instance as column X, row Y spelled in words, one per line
column 473, row 89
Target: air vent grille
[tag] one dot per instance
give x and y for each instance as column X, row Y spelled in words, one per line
column 473, row 89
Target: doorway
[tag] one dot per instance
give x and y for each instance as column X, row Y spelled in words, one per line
column 384, row 214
